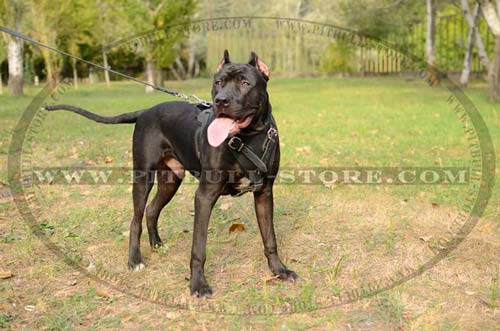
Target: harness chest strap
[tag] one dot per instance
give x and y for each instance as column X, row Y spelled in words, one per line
column 248, row 159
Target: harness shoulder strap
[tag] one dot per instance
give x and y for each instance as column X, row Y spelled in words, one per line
column 203, row 118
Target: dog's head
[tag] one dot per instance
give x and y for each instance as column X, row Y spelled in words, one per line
column 239, row 93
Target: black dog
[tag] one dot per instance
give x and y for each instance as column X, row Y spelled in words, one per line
column 232, row 149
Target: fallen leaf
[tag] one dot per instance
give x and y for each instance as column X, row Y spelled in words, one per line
column 172, row 314
column 29, row 308
column 6, row 274
column 108, row 159
column 236, row 227
column 426, row 238
column 91, row 267
column 102, row 293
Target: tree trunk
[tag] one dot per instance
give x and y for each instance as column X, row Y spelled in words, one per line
column 75, row 75
column 159, row 76
column 1, row 85
column 180, row 68
column 481, row 51
column 472, row 21
column 495, row 72
column 196, row 69
column 430, row 44
column 150, row 75
column 464, row 77
column 191, row 61
column 105, row 62
column 175, row 73
column 49, row 66
column 490, row 13
column 15, row 58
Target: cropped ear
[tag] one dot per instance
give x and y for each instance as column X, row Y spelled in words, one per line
column 259, row 64
column 225, row 60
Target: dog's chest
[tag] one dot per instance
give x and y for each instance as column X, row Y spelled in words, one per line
column 238, row 183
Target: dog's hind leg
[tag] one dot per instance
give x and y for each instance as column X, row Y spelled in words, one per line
column 168, row 182
column 146, row 154
column 143, row 182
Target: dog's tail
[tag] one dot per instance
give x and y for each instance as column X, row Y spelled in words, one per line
column 123, row 118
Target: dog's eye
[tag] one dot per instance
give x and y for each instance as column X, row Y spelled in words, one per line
column 244, row 83
column 218, row 82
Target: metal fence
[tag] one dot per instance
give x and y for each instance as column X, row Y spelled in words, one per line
column 289, row 50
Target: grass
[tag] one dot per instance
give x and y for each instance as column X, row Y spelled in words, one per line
column 337, row 237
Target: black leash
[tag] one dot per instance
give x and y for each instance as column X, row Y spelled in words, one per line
column 158, row 88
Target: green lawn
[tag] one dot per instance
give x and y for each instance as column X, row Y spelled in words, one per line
column 336, row 237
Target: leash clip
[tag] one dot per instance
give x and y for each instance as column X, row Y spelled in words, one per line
column 202, row 102
column 181, row 95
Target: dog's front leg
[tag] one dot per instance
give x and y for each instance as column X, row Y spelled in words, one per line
column 264, row 211
column 205, row 198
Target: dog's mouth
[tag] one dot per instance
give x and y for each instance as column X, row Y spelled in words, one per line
column 224, row 125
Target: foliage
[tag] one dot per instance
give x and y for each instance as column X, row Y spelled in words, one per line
column 338, row 57
column 380, row 19
column 84, row 27
column 151, row 15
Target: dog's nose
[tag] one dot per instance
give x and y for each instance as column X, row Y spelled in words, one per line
column 222, row 101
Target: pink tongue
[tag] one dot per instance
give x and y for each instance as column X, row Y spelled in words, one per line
column 218, row 130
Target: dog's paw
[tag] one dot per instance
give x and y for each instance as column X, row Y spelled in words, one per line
column 289, row 275
column 201, row 291
column 157, row 245
column 136, row 266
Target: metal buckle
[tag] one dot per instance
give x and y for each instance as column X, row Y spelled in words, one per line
column 271, row 133
column 250, row 188
column 235, row 143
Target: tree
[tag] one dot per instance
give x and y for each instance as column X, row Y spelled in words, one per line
column 430, row 39
column 481, row 50
column 47, row 18
column 2, row 58
column 12, row 14
column 472, row 21
column 65, row 25
column 76, row 30
column 156, row 14
column 111, row 25
column 491, row 12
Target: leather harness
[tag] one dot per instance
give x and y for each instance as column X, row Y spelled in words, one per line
column 255, row 161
